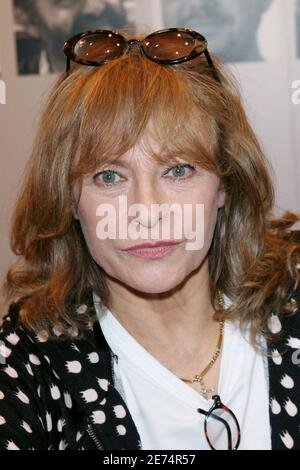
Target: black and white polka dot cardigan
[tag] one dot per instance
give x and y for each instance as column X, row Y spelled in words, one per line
column 61, row 394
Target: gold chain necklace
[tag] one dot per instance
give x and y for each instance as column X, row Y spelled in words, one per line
column 199, row 377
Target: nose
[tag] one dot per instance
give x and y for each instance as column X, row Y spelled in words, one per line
column 145, row 202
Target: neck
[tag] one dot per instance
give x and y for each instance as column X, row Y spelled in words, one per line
column 181, row 318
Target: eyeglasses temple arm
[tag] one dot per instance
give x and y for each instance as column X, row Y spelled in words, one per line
column 203, row 412
column 211, row 64
column 227, row 428
column 68, row 65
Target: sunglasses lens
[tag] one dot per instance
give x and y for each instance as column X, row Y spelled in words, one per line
column 171, row 45
column 99, row 47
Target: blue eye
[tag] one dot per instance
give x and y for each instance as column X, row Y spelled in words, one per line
column 108, row 177
column 111, row 177
column 179, row 170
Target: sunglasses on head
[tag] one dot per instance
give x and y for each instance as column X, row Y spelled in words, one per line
column 167, row 47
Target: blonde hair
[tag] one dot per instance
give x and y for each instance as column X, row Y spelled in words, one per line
column 97, row 114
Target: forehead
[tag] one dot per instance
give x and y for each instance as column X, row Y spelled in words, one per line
column 140, row 155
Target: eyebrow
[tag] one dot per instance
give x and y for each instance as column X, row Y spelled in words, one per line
column 113, row 162
column 126, row 165
column 119, row 163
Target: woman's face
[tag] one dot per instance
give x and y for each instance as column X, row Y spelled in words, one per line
column 138, row 179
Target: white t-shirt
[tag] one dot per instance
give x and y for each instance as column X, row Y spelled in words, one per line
column 164, row 408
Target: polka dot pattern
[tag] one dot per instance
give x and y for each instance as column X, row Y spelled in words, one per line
column 61, row 394
column 63, row 390
column 284, row 381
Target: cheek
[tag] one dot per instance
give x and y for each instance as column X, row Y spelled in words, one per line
column 87, row 216
column 204, row 205
column 102, row 251
column 210, row 215
column 88, row 227
column 210, row 219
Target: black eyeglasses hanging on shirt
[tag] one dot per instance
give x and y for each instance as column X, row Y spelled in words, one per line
column 221, row 427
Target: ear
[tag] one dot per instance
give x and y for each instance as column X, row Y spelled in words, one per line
column 74, row 202
column 221, row 198
column 75, row 214
column 74, row 210
column 221, row 195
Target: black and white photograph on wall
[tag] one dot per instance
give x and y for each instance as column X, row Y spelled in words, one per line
column 42, row 27
column 230, row 26
column 298, row 27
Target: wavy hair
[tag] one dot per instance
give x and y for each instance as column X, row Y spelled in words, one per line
column 97, row 114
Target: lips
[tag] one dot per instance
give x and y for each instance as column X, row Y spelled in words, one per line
column 154, row 250
column 163, row 243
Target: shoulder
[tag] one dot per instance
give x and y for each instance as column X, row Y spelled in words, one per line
column 17, row 343
column 288, row 326
column 44, row 385
column 26, row 408
column 284, row 378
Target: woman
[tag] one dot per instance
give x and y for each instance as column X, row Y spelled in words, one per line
column 109, row 344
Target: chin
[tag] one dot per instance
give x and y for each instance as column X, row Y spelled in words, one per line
column 153, row 283
column 152, row 287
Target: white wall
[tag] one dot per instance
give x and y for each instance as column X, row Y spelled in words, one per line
column 267, row 92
